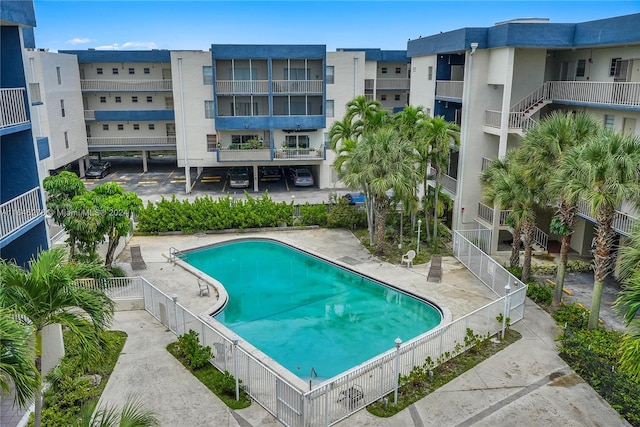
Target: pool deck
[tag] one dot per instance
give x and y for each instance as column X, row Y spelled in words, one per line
column 514, row 387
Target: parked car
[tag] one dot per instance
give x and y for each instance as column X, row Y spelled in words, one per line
column 239, row 177
column 270, row 173
column 98, row 169
column 355, row 198
column 302, row 177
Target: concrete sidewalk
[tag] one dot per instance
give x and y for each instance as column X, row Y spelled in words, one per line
column 526, row 384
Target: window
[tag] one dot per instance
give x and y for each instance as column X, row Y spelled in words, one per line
column 212, row 142
column 103, row 99
column 297, row 74
column 330, row 108
column 242, row 139
column 396, row 97
column 105, row 127
column 59, row 76
column 330, row 74
column 66, row 139
column 430, row 73
column 147, row 71
column 132, row 70
column 208, row 110
column 149, row 98
column 152, row 126
column 134, row 99
column 136, row 126
column 62, row 107
column 118, row 99
column 398, row 70
column 580, row 69
column 98, row 70
column 297, row 141
column 383, row 70
column 114, row 71
column 383, row 97
column 207, row 75
column 608, row 121
column 120, row 126
column 615, row 63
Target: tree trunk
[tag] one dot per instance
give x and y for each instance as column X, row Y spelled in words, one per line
column 528, row 250
column 596, row 300
column 37, row 416
column 514, row 260
column 435, row 206
column 562, row 269
column 111, row 249
column 601, row 260
column 380, row 213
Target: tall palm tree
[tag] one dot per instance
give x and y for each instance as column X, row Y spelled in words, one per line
column 46, row 295
column 603, row 172
column 628, row 304
column 542, row 148
column 382, row 161
column 17, row 365
column 440, row 135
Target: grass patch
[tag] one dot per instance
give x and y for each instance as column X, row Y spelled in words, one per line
column 419, row 383
column 222, row 384
column 73, row 382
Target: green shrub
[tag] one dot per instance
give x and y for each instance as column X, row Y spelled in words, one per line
column 313, row 214
column 516, row 271
column 539, row 293
column 343, row 215
column 571, row 315
column 195, row 355
column 577, row 266
column 544, row 269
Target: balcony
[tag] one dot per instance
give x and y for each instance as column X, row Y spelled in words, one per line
column 12, row 108
column 89, row 114
column 449, row 89
column 603, row 93
column 19, row 211
column 126, row 85
column 242, row 87
column 239, row 155
column 486, row 213
column 299, row 154
column 518, row 122
column 450, row 183
column 392, row 84
column 297, row 86
column 623, row 223
column 485, row 164
column 128, row 143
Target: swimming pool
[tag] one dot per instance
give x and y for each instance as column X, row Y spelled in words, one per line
column 305, row 312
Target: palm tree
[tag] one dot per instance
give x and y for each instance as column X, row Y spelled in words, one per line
column 603, row 172
column 46, row 295
column 627, row 304
column 17, row 360
column 543, row 147
column 440, row 134
column 382, row 161
column 132, row 414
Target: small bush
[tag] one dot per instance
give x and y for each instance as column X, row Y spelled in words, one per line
column 544, row 269
column 516, row 271
column 577, row 266
column 541, row 294
column 343, row 215
column 195, row 355
column 572, row 315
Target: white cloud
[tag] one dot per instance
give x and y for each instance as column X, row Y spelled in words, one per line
column 79, row 40
column 128, row 45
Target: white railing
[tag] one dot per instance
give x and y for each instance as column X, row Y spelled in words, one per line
column 225, row 154
column 224, row 87
column 89, row 114
column 12, row 108
column 540, row 238
column 616, row 93
column 623, row 223
column 485, row 213
column 480, row 237
column 303, row 153
column 34, row 93
column 163, row 141
column 297, row 86
column 59, row 235
column 115, row 287
column 449, row 183
column 485, row 163
column 449, row 88
column 18, row 211
column 492, row 118
column 388, row 84
column 126, row 85
column 537, row 96
column 503, row 217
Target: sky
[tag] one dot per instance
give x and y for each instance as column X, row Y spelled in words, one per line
column 195, row 25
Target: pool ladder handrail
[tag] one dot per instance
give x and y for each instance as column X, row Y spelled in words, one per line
column 312, row 373
column 173, row 252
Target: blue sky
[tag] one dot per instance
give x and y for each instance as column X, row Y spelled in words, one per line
column 195, row 25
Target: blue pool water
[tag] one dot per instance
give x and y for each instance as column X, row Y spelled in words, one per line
column 307, row 313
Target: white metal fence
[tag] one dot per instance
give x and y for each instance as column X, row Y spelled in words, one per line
column 19, row 211
column 126, row 85
column 12, row 107
column 116, row 287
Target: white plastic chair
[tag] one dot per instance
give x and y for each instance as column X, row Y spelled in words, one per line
column 408, row 258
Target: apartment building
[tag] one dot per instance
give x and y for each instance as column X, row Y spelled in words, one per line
column 23, row 231
column 498, row 81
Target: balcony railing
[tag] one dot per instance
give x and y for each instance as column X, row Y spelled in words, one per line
column 392, row 84
column 298, row 154
column 248, row 87
column 623, row 223
column 297, row 86
column 12, row 108
column 608, row 93
column 229, row 155
column 449, row 89
column 130, row 142
column 449, row 183
column 493, row 118
column 89, row 114
column 19, row 211
column 486, row 213
column 485, row 163
column 126, row 85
